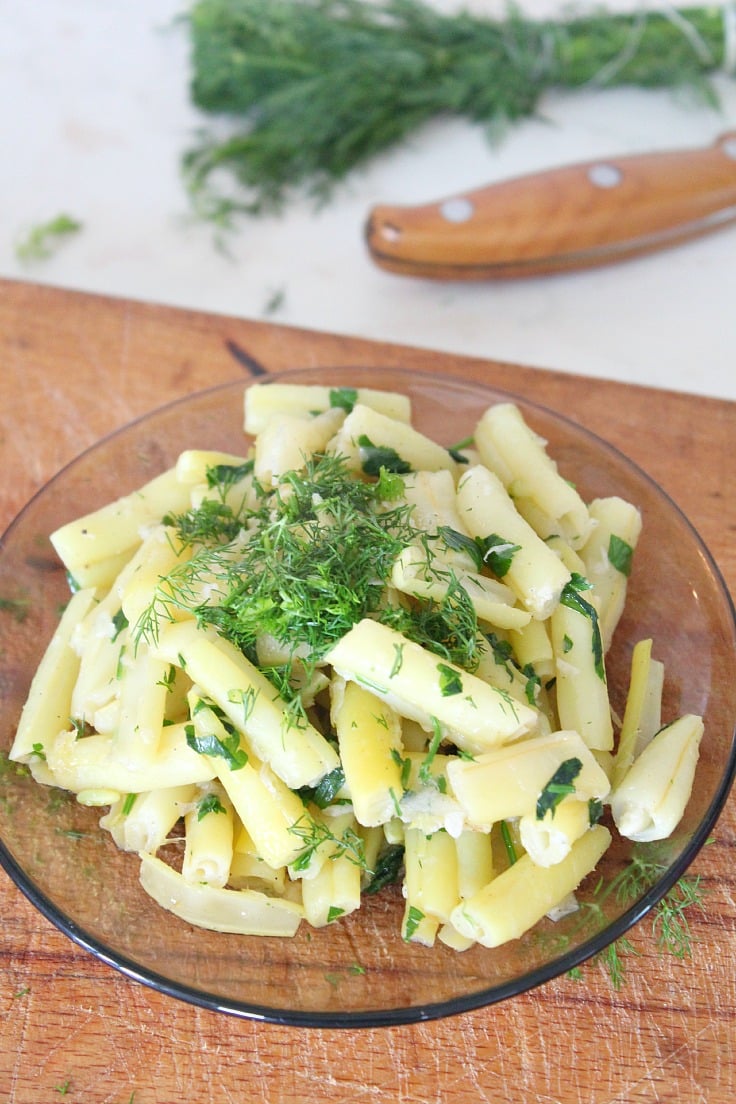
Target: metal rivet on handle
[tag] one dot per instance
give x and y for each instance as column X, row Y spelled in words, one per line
column 728, row 145
column 604, row 176
column 458, row 209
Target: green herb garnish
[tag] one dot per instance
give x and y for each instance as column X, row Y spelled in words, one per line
column 414, row 918
column 303, row 565
column 398, row 660
column 224, row 476
column 532, row 684
column 344, row 398
column 492, row 551
column 595, row 810
column 42, row 241
column 119, row 622
column 450, row 680
column 228, row 749
column 425, row 775
column 326, row 790
column 620, row 554
column 560, row 785
column 129, row 802
column 404, row 765
column 313, row 833
column 508, row 843
column 210, row 803
column 572, row 598
column 497, row 553
column 374, row 458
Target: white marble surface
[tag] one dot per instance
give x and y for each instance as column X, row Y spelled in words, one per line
column 95, row 114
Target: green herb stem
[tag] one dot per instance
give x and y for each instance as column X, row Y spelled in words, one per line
column 314, row 88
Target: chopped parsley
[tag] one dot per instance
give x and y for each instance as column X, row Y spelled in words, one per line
column 224, row 476
column 532, row 684
column 375, row 457
column 595, row 810
column 560, row 785
column 493, row 551
column 450, row 680
column 210, row 803
column 572, row 598
column 228, row 748
column 620, row 554
column 119, row 622
column 414, row 918
column 344, row 398
column 498, row 553
column 326, row 790
column 42, row 240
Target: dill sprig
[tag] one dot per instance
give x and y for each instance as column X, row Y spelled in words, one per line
column 670, row 924
column 314, row 833
column 41, row 241
column 314, row 88
column 448, row 627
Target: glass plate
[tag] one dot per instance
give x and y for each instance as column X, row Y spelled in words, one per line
column 358, row 972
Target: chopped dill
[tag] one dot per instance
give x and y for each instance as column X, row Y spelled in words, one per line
column 303, row 565
column 670, row 924
column 448, row 627
column 313, row 833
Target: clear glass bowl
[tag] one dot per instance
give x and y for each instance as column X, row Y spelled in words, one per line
column 358, row 972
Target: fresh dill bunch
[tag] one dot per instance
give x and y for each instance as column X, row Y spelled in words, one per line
column 311, row 89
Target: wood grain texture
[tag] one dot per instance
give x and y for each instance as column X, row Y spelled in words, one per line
column 74, row 367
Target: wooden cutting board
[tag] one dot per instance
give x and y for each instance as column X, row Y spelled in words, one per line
column 72, row 368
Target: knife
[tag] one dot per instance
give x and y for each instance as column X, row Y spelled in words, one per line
column 572, row 217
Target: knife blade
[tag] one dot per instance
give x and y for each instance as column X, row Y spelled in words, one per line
column 573, row 217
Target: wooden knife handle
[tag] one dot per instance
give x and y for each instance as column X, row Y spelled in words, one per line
column 567, row 218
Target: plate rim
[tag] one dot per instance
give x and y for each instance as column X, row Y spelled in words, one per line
column 405, row 1014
